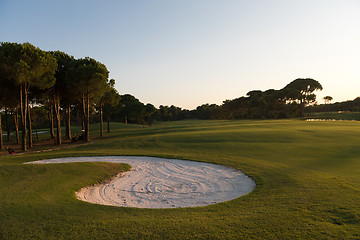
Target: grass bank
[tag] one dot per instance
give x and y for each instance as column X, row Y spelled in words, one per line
column 307, row 175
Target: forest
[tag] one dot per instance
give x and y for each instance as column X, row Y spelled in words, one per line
column 51, row 89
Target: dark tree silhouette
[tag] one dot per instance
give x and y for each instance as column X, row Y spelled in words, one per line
column 305, row 88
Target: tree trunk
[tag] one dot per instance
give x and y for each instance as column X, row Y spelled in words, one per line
column 108, row 123
column 51, row 119
column 101, row 121
column 58, row 119
column 83, row 112
column 16, row 121
column 7, row 123
column 23, row 110
column 302, row 108
column 30, row 127
column 68, row 122
column 78, row 117
column 125, row 119
column 87, row 118
column 1, row 137
column 36, row 130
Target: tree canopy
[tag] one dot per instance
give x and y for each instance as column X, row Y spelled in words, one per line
column 26, row 66
column 26, row 69
column 305, row 88
column 89, row 80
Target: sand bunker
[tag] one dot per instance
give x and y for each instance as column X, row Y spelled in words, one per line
column 163, row 183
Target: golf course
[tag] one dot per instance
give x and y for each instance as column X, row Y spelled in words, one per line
column 307, row 176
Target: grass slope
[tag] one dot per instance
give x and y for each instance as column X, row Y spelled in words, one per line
column 307, row 175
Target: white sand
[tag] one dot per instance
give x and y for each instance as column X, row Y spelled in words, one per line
column 163, row 183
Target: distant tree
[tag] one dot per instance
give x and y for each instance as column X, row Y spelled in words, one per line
column 305, row 88
column 110, row 98
column 209, row 111
column 327, row 99
column 236, row 108
column 349, row 105
column 150, row 110
column 289, row 97
column 256, row 104
column 137, row 113
column 267, row 104
column 175, row 113
column 164, row 113
column 130, row 109
column 273, row 104
column 356, row 104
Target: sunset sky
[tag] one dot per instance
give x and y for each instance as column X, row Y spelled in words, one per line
column 190, row 52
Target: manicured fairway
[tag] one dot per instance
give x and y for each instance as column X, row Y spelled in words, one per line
column 307, row 175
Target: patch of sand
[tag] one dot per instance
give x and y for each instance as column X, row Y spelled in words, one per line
column 163, row 183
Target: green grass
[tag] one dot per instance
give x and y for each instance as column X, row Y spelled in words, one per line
column 307, row 175
column 336, row 115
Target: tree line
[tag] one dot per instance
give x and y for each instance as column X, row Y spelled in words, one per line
column 52, row 89
column 55, row 80
column 346, row 106
column 287, row 102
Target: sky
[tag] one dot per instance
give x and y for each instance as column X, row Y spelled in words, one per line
column 192, row 52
